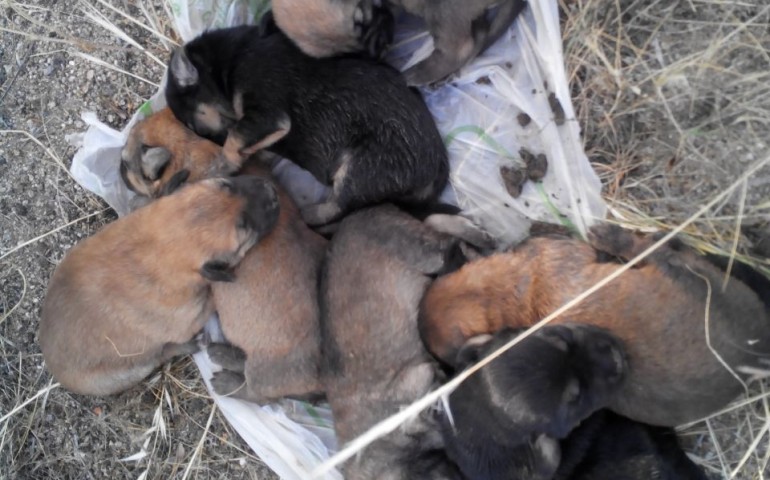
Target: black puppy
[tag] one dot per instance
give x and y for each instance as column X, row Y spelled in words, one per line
column 504, row 421
column 608, row 446
column 352, row 122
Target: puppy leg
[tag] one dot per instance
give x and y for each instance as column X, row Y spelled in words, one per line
column 463, row 229
column 171, row 350
column 376, row 33
column 227, row 356
column 322, row 213
column 252, row 133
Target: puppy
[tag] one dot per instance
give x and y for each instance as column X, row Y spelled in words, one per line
column 327, row 28
column 658, row 309
column 132, row 296
column 607, row 446
column 504, row 421
column 377, row 267
column 161, row 153
column 269, row 314
column 461, row 29
column 353, row 123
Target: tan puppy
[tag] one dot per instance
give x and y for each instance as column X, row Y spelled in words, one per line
column 132, row 296
column 162, row 153
column 377, row 268
column 658, row 309
column 270, row 312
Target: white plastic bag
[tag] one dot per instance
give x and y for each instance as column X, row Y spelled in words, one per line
column 476, row 112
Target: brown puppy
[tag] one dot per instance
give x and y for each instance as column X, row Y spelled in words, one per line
column 658, row 309
column 376, row 271
column 132, row 296
column 271, row 313
column 161, row 153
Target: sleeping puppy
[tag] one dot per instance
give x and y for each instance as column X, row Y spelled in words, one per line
column 353, row 123
column 461, row 29
column 327, row 28
column 129, row 298
column 161, row 153
column 505, row 420
column 378, row 265
column 607, row 446
column 658, row 309
column 269, row 314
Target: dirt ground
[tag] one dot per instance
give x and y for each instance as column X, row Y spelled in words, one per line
column 673, row 98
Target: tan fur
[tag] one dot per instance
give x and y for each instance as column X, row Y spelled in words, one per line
column 130, row 297
column 271, row 310
column 657, row 309
column 319, row 28
column 235, row 149
column 203, row 158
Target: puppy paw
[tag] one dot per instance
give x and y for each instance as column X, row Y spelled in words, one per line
column 232, row 151
column 227, row 356
column 375, row 36
column 612, row 239
column 321, row 213
column 362, row 16
column 228, row 384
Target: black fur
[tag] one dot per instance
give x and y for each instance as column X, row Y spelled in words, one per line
column 218, row 271
column 350, row 115
column 508, row 415
column 608, row 446
column 175, row 182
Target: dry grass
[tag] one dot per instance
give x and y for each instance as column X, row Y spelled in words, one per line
column 674, row 102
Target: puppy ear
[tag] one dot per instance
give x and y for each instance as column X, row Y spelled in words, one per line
column 217, row 271
column 175, row 182
column 184, row 72
column 154, row 160
column 470, row 352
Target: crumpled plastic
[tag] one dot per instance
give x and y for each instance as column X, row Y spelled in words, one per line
column 477, row 111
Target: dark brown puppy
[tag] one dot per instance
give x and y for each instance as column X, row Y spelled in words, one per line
column 460, row 29
column 132, row 296
column 658, row 309
column 504, row 421
column 376, row 271
column 270, row 312
column 161, row 153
